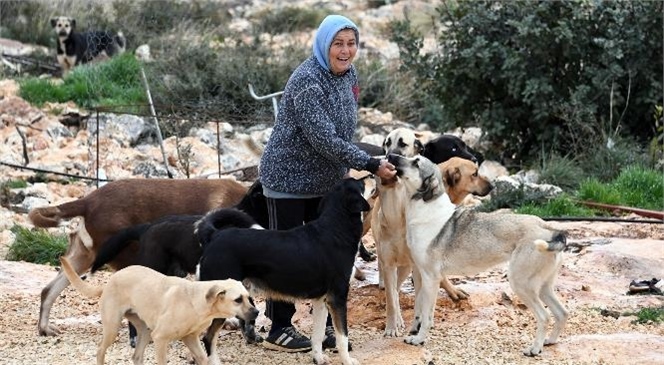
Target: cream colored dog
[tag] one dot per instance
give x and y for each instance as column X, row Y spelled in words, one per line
column 162, row 308
column 444, row 240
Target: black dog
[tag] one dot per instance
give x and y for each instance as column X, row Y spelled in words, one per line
column 444, row 147
column 313, row 261
column 171, row 245
column 76, row 48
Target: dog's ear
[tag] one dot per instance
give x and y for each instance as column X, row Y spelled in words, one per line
column 54, row 21
column 72, row 21
column 419, row 147
column 429, row 189
column 356, row 203
column 215, row 293
column 452, row 176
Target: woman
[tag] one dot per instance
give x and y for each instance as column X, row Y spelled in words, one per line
column 311, row 149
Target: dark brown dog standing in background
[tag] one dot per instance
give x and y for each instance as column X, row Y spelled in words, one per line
column 121, row 204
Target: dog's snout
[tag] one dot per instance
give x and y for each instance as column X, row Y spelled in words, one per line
column 393, row 158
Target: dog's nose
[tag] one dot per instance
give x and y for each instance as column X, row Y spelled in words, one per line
column 392, row 158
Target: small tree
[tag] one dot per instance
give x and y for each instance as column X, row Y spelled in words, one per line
column 560, row 76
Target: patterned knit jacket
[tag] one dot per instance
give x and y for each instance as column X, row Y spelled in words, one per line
column 310, row 148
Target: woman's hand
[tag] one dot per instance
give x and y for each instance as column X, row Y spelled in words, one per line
column 386, row 170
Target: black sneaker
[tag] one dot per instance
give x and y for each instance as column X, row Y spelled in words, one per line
column 287, row 339
column 330, row 342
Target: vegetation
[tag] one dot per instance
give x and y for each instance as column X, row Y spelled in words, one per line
column 37, row 246
column 116, row 82
column 635, row 186
column 561, row 76
column 649, row 315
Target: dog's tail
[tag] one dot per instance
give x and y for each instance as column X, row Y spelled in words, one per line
column 53, row 215
column 219, row 219
column 76, row 281
column 117, row 243
column 557, row 243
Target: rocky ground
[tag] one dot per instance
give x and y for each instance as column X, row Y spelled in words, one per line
column 490, row 328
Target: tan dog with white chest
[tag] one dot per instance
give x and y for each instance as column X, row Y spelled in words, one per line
column 163, row 308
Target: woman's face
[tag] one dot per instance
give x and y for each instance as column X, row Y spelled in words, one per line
column 342, row 51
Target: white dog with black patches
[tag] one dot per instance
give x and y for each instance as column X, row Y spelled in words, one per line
column 444, row 240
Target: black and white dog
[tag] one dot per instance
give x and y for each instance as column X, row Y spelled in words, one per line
column 76, row 48
column 313, row 261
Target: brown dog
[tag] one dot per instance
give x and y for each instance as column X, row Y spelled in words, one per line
column 121, row 204
column 162, row 308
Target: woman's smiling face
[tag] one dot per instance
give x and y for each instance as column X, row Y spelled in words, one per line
column 342, row 51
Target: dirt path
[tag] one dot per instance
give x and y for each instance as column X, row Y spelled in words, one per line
column 490, row 328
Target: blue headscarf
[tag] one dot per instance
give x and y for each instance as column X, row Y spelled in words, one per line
column 328, row 28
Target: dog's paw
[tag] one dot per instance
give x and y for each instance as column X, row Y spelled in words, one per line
column 350, row 361
column 414, row 340
column 254, row 339
column 49, row 330
column 321, row 359
column 459, row 294
column 391, row 332
column 549, row 342
column 532, row 351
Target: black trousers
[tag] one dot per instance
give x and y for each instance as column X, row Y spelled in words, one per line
column 286, row 214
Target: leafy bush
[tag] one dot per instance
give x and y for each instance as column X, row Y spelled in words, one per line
column 36, row 246
column 563, row 75
column 211, row 79
column 116, row 82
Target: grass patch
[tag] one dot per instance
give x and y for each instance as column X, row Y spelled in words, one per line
column 648, row 315
column 36, row 246
column 562, row 206
column 113, row 82
column 16, row 184
column 635, row 186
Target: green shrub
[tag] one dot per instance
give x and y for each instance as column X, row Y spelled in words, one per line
column 210, row 82
column 605, row 163
column 560, row 75
column 646, row 315
column 114, row 82
column 560, row 171
column 36, row 246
